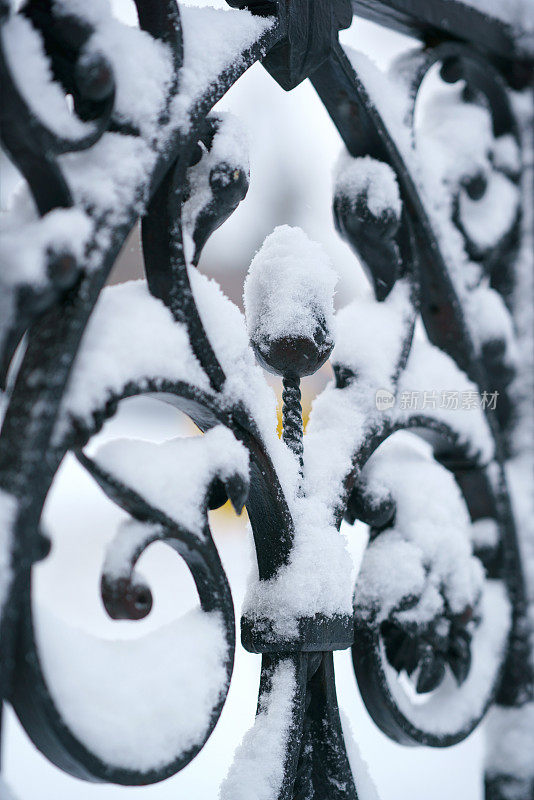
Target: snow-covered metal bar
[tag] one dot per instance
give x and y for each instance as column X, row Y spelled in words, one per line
column 424, row 434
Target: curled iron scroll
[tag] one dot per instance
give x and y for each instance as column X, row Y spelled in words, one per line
column 314, row 756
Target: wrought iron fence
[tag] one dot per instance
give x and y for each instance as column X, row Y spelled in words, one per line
column 438, row 617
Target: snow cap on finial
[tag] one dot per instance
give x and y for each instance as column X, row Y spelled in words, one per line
column 289, row 305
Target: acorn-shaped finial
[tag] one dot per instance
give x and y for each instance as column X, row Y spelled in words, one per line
column 289, row 306
column 289, row 293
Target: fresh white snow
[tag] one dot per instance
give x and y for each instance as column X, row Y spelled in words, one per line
column 511, row 741
column 427, row 553
column 131, row 336
column 370, row 336
column 33, row 77
column 25, row 249
column 258, row 769
column 374, row 179
column 131, row 538
column 170, row 681
column 290, row 284
column 174, row 476
column 214, row 40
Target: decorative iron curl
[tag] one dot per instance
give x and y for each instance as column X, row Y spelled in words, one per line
column 126, row 597
column 443, row 318
column 53, row 342
column 30, row 455
column 31, row 144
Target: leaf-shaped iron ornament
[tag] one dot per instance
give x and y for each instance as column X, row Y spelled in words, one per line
column 110, row 124
column 288, row 301
column 445, row 643
column 217, row 180
column 367, row 214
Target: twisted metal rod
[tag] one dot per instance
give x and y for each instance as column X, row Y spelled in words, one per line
column 293, row 429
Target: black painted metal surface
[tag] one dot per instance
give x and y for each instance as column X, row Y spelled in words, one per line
column 302, row 43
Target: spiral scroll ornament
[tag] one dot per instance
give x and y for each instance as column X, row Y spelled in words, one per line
column 111, row 125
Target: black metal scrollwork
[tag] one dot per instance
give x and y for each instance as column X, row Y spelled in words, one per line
column 417, row 648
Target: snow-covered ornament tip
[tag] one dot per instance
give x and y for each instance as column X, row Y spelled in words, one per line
column 367, row 213
column 289, row 306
